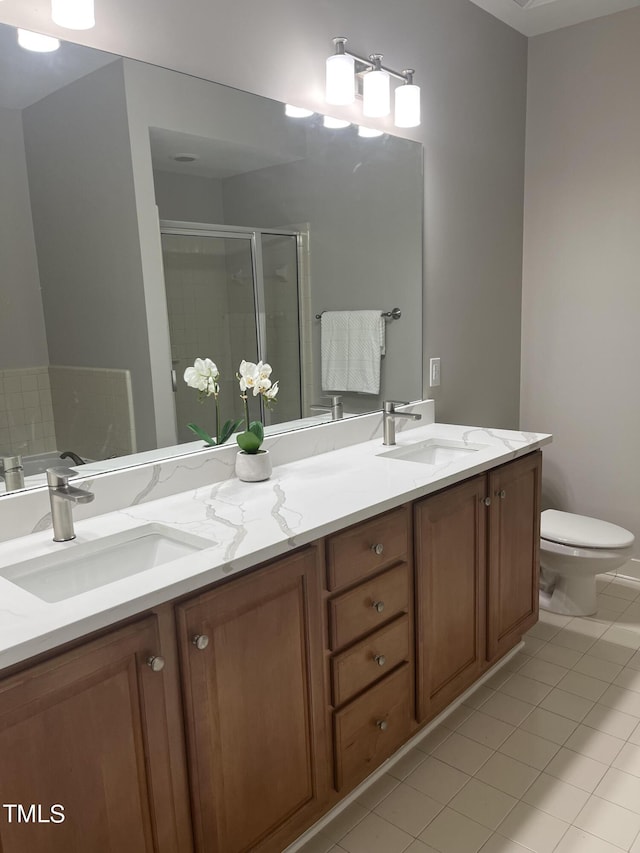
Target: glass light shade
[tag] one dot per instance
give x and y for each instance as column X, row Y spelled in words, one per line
column 73, row 14
column 367, row 132
column 341, row 81
column 335, row 123
column 37, row 42
column 407, row 113
column 376, row 97
column 296, row 112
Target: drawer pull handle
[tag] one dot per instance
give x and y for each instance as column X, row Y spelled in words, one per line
column 486, row 501
column 378, row 605
column 155, row 663
column 200, row 641
column 380, row 659
column 378, row 548
column 501, row 494
column 383, row 725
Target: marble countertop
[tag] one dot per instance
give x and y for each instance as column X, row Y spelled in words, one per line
column 246, row 524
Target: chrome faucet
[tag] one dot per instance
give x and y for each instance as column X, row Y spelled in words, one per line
column 62, row 497
column 389, row 414
column 336, row 408
column 13, row 473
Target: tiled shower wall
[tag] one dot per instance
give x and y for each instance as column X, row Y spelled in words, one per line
column 93, row 411
column 26, row 411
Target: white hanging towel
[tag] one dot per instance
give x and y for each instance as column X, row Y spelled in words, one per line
column 352, row 343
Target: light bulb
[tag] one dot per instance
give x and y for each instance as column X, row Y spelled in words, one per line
column 340, row 85
column 37, row 42
column 407, row 112
column 369, row 132
column 296, row 112
column 376, row 96
column 73, row 14
column 335, row 123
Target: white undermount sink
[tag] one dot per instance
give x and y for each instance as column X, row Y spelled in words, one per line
column 432, row 451
column 82, row 566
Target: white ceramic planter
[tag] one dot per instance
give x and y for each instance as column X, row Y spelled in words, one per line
column 253, row 467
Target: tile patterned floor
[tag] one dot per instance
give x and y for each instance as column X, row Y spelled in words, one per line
column 544, row 757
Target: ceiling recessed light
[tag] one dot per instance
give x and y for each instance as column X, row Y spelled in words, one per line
column 184, row 158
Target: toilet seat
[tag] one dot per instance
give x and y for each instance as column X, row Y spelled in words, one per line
column 581, row 531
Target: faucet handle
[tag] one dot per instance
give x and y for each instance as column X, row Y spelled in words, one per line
column 59, row 477
column 390, row 405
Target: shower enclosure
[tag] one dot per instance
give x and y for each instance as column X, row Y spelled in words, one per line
column 232, row 294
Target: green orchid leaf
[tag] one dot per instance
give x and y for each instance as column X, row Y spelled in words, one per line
column 228, row 428
column 249, row 441
column 202, row 434
column 257, row 429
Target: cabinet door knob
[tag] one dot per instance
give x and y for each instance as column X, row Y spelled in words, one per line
column 200, row 641
column 380, row 659
column 501, row 494
column 378, row 605
column 377, row 549
column 383, row 725
column 156, row 663
column 486, row 501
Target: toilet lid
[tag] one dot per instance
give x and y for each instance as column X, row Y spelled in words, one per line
column 582, row 531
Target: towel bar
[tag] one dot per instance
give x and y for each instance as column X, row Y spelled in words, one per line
column 394, row 314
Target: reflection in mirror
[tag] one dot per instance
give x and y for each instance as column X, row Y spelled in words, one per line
column 148, row 218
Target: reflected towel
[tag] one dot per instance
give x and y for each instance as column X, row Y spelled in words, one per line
column 352, row 343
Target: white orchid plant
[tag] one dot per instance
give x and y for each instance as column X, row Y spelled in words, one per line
column 204, row 376
column 256, row 378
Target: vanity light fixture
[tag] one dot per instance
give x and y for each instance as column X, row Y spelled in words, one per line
column 296, row 112
column 407, row 113
column 344, row 69
column 37, row 42
column 376, row 90
column 334, row 123
column 73, row 14
column 369, row 132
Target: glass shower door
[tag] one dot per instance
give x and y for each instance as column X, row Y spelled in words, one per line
column 211, row 304
column 279, row 259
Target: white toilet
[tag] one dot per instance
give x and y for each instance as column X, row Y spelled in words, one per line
column 573, row 550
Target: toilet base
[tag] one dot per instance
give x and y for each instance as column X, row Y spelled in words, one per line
column 568, row 596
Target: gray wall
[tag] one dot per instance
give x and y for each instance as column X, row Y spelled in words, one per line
column 360, row 201
column 84, row 216
column 188, row 198
column 472, row 69
column 581, row 295
column 23, row 341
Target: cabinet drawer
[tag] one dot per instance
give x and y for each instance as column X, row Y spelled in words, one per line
column 369, row 605
column 371, row 728
column 369, row 660
column 353, row 555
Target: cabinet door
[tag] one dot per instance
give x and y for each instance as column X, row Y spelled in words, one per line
column 514, row 545
column 88, row 730
column 450, row 588
column 255, row 707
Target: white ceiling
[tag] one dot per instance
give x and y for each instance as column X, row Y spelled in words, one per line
column 533, row 17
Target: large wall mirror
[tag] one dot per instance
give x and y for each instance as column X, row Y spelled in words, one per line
column 148, row 218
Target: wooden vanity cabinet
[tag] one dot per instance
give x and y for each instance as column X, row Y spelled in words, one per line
column 255, row 707
column 370, row 643
column 476, row 563
column 450, row 560
column 88, row 729
column 514, row 552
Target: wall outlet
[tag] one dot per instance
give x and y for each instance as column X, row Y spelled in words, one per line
column 434, row 372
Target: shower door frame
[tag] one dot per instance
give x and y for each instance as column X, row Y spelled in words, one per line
column 237, row 232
